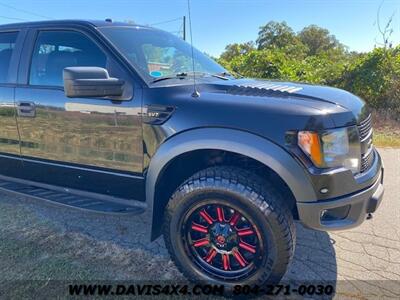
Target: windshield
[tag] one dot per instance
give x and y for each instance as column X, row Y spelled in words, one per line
column 157, row 54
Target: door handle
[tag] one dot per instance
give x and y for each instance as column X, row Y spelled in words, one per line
column 26, row 109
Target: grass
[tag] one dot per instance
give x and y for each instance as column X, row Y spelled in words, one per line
column 386, row 138
column 386, row 131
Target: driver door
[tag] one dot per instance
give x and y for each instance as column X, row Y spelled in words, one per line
column 85, row 143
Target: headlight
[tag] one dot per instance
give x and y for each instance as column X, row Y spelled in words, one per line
column 332, row 148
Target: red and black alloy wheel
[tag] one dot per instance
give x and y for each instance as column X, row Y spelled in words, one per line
column 228, row 226
column 223, row 241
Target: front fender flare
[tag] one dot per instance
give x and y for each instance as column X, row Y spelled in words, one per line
column 240, row 142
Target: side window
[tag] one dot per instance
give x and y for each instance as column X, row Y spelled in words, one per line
column 7, row 45
column 56, row 50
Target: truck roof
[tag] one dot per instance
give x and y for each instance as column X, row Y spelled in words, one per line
column 93, row 23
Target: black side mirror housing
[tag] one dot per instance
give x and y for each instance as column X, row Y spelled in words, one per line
column 88, row 82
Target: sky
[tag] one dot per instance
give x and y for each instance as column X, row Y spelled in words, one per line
column 217, row 23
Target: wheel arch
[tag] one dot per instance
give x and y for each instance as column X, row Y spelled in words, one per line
column 235, row 141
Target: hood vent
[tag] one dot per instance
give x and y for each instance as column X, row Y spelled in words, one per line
column 264, row 89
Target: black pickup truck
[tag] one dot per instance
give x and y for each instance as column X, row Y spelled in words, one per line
column 118, row 118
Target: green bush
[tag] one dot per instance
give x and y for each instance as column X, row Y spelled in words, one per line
column 375, row 78
column 317, row 57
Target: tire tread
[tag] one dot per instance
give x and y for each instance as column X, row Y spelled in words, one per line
column 259, row 192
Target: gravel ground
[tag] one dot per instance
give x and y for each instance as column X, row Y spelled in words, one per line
column 39, row 241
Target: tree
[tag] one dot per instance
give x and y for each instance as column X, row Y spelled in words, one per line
column 386, row 31
column 315, row 55
column 236, row 49
column 374, row 77
column 319, row 40
column 276, row 35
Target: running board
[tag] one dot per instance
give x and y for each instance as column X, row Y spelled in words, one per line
column 72, row 198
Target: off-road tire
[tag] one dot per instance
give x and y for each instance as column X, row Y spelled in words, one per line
column 246, row 192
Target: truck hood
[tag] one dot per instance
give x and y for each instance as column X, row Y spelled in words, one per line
column 315, row 93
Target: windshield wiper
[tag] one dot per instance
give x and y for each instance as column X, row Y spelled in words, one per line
column 222, row 75
column 183, row 75
column 176, row 76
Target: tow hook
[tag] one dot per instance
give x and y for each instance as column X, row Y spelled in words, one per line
column 369, row 216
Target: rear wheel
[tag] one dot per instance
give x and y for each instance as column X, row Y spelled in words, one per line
column 227, row 225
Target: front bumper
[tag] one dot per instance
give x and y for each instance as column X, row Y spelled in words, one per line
column 343, row 212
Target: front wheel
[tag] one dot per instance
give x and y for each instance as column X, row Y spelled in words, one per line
column 227, row 225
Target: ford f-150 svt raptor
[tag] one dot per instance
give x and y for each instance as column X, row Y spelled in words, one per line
column 118, row 118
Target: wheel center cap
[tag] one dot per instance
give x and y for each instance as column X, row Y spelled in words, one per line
column 223, row 236
column 220, row 239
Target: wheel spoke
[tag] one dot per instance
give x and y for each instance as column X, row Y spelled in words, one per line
column 247, row 247
column 199, row 228
column 245, row 232
column 210, row 256
column 206, row 216
column 234, row 219
column 202, row 242
column 225, row 262
column 239, row 258
column 220, row 213
column 225, row 241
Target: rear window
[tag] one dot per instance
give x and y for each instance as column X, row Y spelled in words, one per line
column 7, row 45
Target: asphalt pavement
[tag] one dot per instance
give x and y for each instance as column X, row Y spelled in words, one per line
column 40, row 241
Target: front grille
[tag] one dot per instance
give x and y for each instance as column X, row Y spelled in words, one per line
column 364, row 128
column 365, row 133
column 366, row 161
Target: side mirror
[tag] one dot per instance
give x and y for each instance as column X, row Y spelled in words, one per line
column 81, row 82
